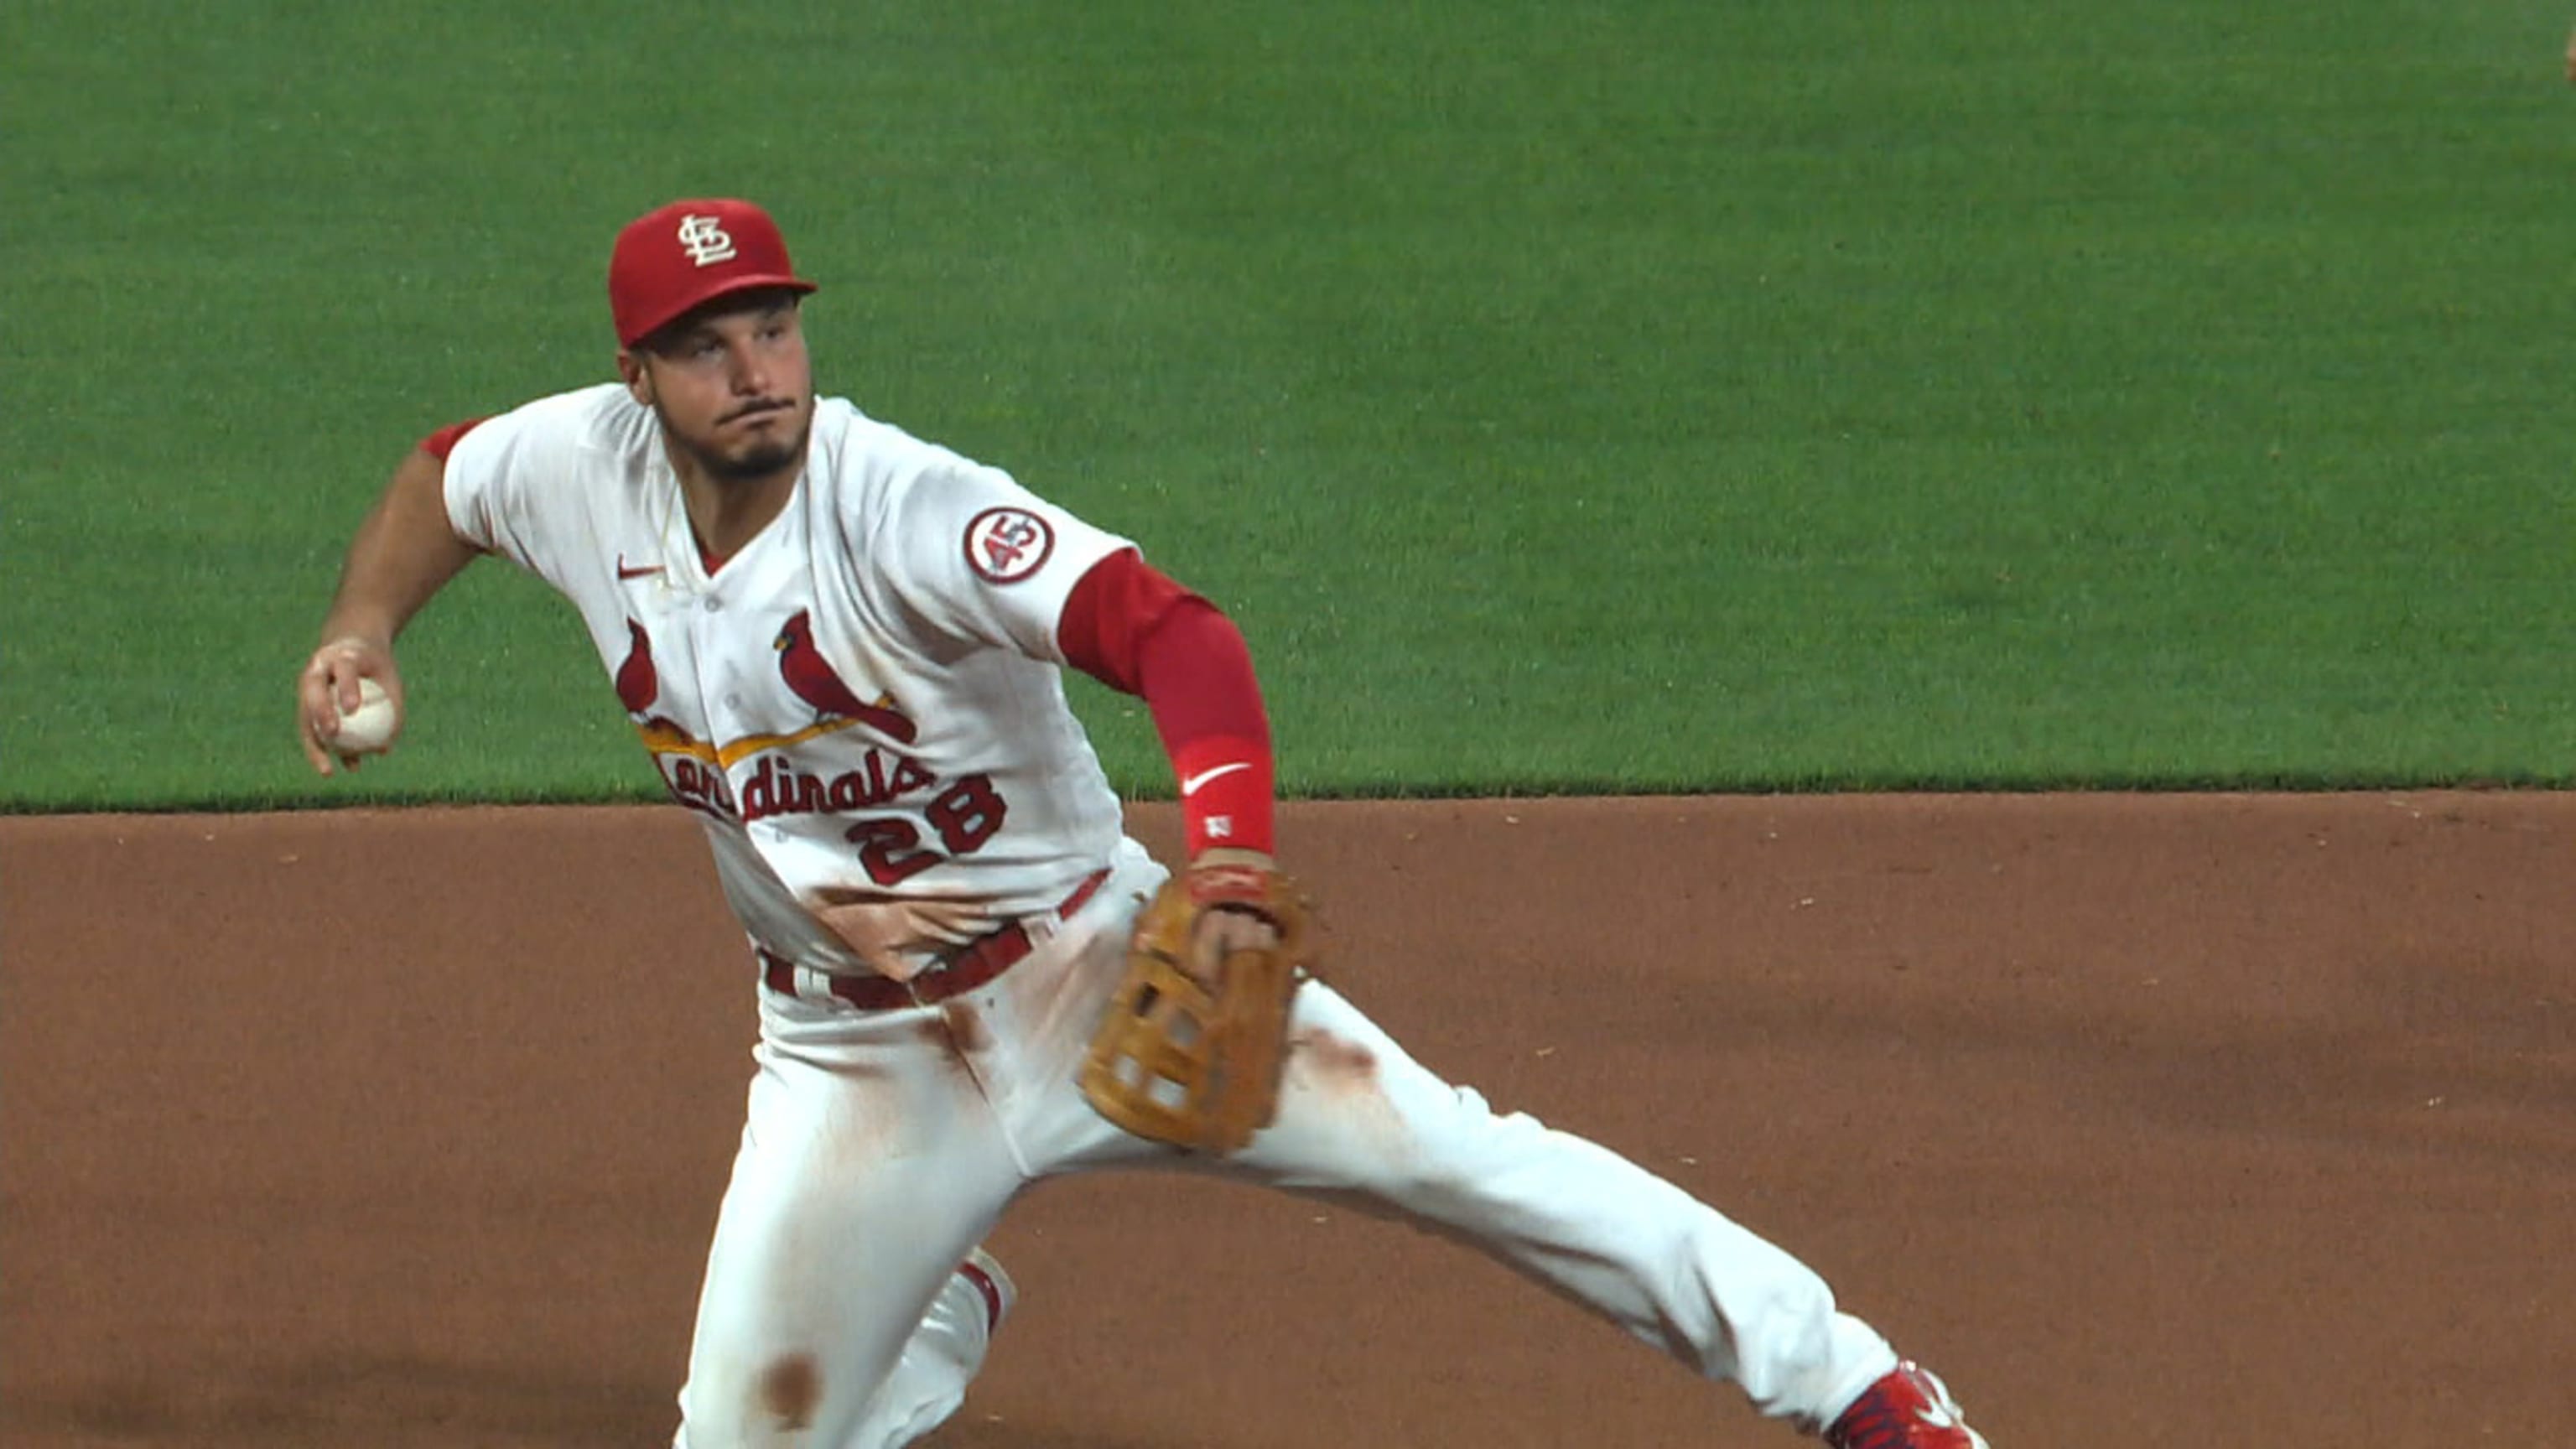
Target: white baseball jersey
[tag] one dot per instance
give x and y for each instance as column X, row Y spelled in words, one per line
column 864, row 704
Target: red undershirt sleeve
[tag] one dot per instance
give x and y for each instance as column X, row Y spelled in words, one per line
column 1133, row 628
column 443, row 442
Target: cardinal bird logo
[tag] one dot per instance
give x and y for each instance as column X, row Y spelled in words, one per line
column 811, row 676
column 637, row 684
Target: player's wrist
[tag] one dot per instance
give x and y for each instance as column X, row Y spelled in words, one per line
column 1225, row 794
column 1231, row 876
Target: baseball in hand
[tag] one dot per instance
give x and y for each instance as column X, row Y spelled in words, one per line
column 369, row 729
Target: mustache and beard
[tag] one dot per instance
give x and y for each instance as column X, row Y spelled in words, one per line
column 752, row 458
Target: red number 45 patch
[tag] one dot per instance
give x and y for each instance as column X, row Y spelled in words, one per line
column 1006, row 545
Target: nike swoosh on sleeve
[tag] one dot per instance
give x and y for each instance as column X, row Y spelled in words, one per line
column 1190, row 784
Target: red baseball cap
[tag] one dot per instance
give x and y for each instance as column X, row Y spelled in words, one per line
column 680, row 256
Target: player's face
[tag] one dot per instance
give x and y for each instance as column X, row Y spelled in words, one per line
column 733, row 386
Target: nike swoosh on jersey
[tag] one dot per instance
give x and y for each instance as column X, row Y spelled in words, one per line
column 1190, row 784
column 626, row 571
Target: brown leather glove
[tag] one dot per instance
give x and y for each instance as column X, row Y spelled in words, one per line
column 1192, row 1062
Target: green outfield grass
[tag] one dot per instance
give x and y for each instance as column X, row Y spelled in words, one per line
column 1622, row 396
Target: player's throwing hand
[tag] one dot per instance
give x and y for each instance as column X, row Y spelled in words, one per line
column 328, row 694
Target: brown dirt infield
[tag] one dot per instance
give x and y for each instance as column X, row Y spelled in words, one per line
column 2148, row 1120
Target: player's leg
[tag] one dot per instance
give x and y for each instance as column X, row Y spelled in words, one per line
column 1027, row 1031
column 870, row 1167
column 941, row 1358
column 1358, row 1115
column 1363, row 1122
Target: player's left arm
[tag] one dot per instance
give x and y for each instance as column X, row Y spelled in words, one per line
column 1193, row 1048
column 1135, row 629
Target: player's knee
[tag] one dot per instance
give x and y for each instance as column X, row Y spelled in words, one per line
column 1448, row 1165
column 777, row 1402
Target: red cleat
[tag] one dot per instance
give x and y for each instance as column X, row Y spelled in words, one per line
column 1908, row 1409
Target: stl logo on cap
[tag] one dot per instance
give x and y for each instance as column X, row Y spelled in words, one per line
column 706, row 239
column 725, row 246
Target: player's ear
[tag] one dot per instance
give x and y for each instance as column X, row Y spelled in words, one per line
column 638, row 379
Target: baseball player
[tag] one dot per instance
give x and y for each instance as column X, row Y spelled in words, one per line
column 842, row 648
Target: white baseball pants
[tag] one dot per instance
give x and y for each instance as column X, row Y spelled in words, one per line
column 880, row 1147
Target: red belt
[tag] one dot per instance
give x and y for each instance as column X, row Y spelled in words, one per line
column 976, row 965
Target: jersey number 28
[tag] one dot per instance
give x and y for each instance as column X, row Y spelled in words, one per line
column 965, row 815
